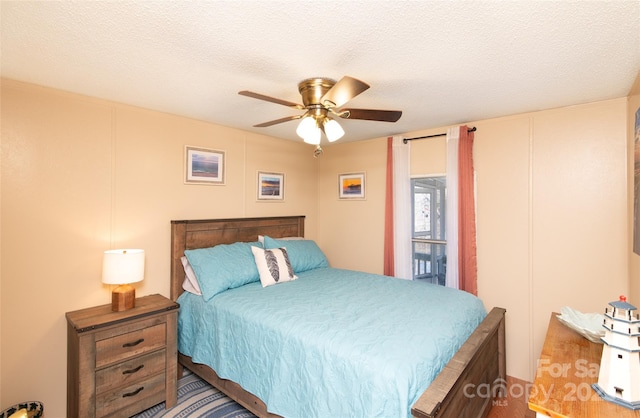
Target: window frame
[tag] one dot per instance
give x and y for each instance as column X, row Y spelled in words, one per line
column 433, row 241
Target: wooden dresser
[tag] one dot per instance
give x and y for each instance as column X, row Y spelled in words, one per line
column 567, row 368
column 121, row 363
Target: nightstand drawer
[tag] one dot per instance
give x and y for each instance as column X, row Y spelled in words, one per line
column 127, row 345
column 129, row 371
column 146, row 393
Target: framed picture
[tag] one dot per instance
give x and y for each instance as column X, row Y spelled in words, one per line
column 351, row 185
column 203, row 166
column 270, row 186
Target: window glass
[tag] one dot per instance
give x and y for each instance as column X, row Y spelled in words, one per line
column 428, row 229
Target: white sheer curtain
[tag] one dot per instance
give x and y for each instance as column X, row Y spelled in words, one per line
column 402, row 208
column 453, row 139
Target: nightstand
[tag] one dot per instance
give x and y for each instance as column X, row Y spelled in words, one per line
column 121, row 363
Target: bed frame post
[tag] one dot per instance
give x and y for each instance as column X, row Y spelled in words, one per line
column 178, row 244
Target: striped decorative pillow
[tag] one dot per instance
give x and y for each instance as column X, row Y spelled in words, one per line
column 273, row 265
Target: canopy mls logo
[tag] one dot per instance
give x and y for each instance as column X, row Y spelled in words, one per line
column 499, row 389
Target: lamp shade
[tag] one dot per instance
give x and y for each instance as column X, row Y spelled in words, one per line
column 333, row 130
column 309, row 131
column 123, row 266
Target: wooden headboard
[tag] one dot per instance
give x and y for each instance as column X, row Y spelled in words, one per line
column 203, row 233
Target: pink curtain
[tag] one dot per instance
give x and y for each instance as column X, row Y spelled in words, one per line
column 467, row 262
column 389, row 268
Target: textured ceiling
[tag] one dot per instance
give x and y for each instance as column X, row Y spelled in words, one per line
column 440, row 62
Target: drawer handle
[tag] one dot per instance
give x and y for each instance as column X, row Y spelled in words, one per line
column 132, row 371
column 133, row 344
column 134, row 393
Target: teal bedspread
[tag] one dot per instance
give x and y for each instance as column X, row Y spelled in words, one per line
column 334, row 343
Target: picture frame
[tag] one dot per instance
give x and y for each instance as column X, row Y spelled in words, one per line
column 204, row 166
column 270, row 186
column 351, row 186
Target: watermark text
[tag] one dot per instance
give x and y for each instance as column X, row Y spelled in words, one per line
column 569, row 391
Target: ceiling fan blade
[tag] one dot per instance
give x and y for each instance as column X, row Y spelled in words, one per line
column 370, row 114
column 275, row 122
column 270, row 99
column 344, row 90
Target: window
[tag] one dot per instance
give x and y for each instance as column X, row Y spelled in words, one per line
column 428, row 197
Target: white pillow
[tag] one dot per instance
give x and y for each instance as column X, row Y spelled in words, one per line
column 273, row 265
column 190, row 283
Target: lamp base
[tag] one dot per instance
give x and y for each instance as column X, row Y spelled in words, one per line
column 123, row 298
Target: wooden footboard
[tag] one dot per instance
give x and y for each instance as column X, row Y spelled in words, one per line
column 473, row 378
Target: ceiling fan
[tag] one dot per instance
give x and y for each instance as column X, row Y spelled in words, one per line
column 322, row 100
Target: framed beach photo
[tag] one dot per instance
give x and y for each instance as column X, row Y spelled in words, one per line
column 351, row 186
column 270, row 186
column 203, row 166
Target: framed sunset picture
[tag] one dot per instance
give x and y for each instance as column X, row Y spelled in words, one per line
column 270, row 186
column 203, row 166
column 351, row 186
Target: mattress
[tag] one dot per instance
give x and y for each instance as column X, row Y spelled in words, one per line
column 333, row 343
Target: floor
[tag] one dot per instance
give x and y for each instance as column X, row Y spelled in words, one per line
column 515, row 404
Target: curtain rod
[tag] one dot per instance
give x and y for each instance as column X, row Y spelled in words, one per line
column 405, row 140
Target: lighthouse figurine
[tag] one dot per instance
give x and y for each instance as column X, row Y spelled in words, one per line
column 619, row 375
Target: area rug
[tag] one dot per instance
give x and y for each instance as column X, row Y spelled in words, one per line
column 198, row 399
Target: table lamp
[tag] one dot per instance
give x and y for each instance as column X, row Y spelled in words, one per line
column 123, row 267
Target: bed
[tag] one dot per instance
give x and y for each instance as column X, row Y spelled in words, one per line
column 464, row 387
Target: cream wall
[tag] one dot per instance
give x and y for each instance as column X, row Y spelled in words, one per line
column 81, row 175
column 351, row 232
column 551, row 213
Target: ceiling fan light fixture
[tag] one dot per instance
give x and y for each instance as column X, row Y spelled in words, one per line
column 332, row 130
column 322, row 97
column 309, row 131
